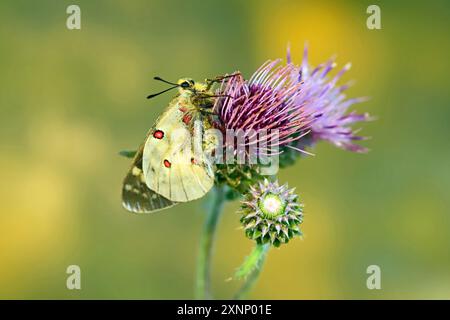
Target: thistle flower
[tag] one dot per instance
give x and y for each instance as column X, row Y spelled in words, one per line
column 265, row 103
column 271, row 213
column 326, row 103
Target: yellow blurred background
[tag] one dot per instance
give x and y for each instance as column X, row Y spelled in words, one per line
column 71, row 99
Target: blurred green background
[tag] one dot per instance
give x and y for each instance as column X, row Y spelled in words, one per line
column 70, row 100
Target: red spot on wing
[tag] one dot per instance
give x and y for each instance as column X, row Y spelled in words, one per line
column 193, row 161
column 167, row 163
column 182, row 109
column 158, row 134
column 187, row 118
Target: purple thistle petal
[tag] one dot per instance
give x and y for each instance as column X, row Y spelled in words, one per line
column 291, row 101
column 266, row 102
column 322, row 97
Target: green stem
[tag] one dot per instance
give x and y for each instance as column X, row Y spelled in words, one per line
column 251, row 268
column 214, row 209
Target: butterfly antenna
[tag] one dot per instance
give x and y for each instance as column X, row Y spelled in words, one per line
column 165, row 81
column 157, row 94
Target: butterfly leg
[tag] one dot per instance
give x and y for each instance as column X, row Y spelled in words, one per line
column 210, row 82
column 206, row 111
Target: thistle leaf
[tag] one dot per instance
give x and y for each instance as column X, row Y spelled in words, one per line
column 128, row 153
column 252, row 261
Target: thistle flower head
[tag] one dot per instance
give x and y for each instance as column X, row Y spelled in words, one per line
column 271, row 213
column 265, row 103
column 326, row 103
column 239, row 178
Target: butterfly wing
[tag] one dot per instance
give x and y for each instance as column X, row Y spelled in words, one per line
column 171, row 168
column 136, row 196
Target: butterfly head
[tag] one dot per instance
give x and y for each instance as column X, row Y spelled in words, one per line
column 187, row 85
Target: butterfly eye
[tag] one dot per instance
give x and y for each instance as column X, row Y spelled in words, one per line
column 185, row 84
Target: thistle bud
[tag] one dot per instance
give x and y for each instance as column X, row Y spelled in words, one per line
column 271, row 213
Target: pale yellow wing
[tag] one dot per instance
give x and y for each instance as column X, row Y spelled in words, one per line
column 171, row 168
column 136, row 196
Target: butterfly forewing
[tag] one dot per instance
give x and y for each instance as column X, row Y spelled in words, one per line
column 169, row 164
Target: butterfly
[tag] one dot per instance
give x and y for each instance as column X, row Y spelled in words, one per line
column 167, row 168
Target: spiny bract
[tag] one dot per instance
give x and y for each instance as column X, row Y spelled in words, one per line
column 271, row 213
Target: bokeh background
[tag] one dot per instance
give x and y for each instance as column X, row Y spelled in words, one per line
column 70, row 100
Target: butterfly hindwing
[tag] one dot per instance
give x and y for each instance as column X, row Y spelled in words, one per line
column 136, row 196
column 169, row 164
